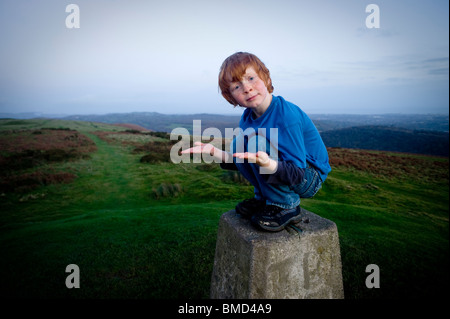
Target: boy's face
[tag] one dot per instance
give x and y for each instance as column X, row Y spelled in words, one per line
column 251, row 91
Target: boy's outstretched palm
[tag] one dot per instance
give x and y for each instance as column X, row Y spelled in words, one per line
column 260, row 158
column 202, row 148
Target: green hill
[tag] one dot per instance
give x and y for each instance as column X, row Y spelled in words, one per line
column 140, row 229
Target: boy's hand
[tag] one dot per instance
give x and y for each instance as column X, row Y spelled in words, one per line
column 261, row 159
column 202, row 148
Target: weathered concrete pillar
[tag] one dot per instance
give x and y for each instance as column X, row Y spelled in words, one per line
column 302, row 262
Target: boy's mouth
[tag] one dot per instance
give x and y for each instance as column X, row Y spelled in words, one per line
column 252, row 98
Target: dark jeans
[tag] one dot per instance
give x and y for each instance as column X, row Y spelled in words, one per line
column 281, row 195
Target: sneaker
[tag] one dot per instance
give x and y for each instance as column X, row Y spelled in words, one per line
column 249, row 207
column 275, row 218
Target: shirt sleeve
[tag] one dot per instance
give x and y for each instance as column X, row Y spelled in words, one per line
column 229, row 166
column 287, row 173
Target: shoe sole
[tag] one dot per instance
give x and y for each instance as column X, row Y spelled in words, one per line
column 293, row 220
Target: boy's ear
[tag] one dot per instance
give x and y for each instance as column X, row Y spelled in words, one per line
column 269, row 85
column 268, row 82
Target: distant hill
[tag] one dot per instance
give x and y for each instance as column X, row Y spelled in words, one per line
column 426, row 122
column 132, row 127
column 324, row 122
column 163, row 122
column 384, row 138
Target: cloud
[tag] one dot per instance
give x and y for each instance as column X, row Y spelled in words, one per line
column 397, row 68
column 443, row 71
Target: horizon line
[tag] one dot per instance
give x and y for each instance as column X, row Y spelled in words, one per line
column 60, row 115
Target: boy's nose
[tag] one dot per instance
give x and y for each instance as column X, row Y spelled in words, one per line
column 247, row 87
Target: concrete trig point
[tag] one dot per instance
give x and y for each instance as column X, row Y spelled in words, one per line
column 301, row 262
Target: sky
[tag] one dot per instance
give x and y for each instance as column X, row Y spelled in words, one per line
column 164, row 56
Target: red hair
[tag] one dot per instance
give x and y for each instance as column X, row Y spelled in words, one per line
column 233, row 69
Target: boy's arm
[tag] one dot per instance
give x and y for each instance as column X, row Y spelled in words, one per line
column 275, row 172
column 287, row 173
column 229, row 166
column 262, row 159
column 202, row 148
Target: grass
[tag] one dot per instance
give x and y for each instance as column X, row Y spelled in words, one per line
column 140, row 230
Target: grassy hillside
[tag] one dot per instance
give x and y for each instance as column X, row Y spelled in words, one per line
column 147, row 229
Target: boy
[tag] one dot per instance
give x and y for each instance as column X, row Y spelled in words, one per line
column 298, row 164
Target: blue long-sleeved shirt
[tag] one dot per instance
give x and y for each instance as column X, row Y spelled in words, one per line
column 299, row 142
